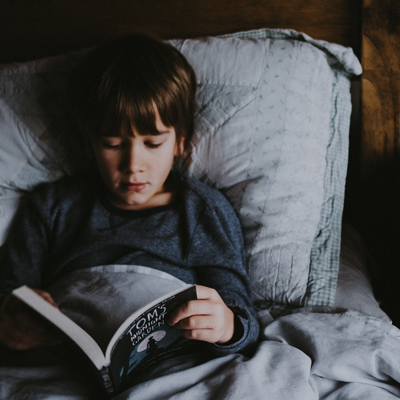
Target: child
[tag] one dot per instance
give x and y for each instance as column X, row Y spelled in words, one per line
column 133, row 103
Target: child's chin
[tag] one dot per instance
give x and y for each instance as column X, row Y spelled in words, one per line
column 128, row 203
column 134, row 205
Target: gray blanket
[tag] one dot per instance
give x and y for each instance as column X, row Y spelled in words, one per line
column 310, row 354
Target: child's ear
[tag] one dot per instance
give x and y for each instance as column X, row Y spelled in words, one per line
column 180, row 146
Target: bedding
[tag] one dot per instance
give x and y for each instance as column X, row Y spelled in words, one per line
column 324, row 353
column 357, row 269
column 272, row 135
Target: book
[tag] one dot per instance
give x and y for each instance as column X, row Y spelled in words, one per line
column 141, row 341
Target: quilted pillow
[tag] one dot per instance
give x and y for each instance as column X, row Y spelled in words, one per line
column 272, row 122
column 272, row 134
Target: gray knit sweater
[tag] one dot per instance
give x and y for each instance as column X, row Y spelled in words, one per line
column 69, row 225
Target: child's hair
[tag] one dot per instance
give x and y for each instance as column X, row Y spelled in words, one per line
column 126, row 81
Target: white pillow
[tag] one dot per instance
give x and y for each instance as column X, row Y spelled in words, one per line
column 268, row 114
column 271, row 133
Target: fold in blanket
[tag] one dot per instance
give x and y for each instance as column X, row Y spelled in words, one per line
column 303, row 356
column 325, row 354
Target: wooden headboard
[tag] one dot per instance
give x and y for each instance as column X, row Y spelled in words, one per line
column 35, row 28
column 32, row 29
column 377, row 191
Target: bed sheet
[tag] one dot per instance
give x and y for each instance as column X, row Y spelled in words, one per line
column 313, row 353
column 302, row 356
column 357, row 270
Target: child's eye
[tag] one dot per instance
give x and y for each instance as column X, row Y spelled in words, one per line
column 112, row 146
column 152, row 145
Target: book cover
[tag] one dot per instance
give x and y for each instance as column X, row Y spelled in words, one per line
column 143, row 340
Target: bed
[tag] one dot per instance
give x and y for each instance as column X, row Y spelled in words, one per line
column 296, row 125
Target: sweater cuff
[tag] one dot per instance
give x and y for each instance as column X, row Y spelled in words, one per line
column 239, row 342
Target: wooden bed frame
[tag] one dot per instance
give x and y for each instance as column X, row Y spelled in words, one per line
column 32, row 29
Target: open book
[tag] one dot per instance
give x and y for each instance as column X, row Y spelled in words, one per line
column 141, row 341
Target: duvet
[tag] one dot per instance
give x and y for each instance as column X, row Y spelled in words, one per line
column 313, row 353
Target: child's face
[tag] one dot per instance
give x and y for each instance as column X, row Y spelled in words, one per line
column 134, row 168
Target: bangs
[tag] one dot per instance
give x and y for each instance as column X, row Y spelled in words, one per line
column 125, row 114
column 132, row 98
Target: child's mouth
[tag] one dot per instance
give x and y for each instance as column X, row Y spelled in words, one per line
column 134, row 187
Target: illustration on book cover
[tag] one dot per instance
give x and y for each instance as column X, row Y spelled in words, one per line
column 148, row 341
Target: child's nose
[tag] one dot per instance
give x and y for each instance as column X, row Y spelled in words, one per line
column 133, row 160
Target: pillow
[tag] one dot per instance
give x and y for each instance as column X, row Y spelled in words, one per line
column 32, row 129
column 271, row 134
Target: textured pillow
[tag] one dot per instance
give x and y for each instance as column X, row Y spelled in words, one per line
column 271, row 133
column 32, row 128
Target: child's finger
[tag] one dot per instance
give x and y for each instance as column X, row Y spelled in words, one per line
column 187, row 310
column 204, row 328
column 197, row 322
column 46, row 296
column 205, row 335
column 21, row 328
column 204, row 292
column 207, row 318
column 209, row 302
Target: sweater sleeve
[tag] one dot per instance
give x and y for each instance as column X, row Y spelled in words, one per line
column 23, row 253
column 218, row 244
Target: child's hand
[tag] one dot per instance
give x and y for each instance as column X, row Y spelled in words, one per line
column 207, row 318
column 21, row 328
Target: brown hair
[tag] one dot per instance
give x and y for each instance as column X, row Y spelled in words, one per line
column 120, row 83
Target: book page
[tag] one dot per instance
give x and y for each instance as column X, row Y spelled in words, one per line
column 69, row 327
